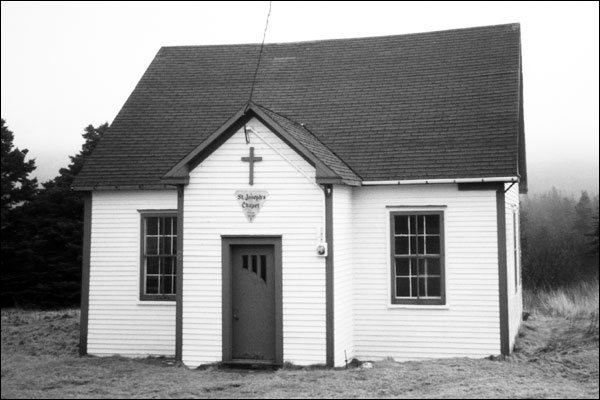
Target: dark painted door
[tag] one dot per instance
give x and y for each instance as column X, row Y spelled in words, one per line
column 253, row 303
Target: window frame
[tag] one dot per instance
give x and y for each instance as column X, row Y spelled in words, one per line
column 144, row 215
column 442, row 257
column 516, row 248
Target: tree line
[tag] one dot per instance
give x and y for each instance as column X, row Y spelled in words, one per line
column 42, row 232
column 42, row 228
column 559, row 239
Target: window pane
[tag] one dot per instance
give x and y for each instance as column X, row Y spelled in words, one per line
column 422, row 287
column 402, row 287
column 433, row 266
column 421, row 224
column 422, row 270
column 263, row 267
column 152, row 285
column 174, row 220
column 413, row 288
column 421, row 244
column 254, row 264
column 413, row 266
column 161, row 226
column 433, row 286
column 413, row 244
column 433, row 224
column 165, row 243
column 401, row 224
column 167, row 225
column 167, row 284
column 174, row 264
column 433, row 245
column 169, row 265
column 402, row 266
column 152, row 226
column 401, row 245
column 152, row 245
column 152, row 265
column 413, row 224
column 245, row 262
column 174, row 245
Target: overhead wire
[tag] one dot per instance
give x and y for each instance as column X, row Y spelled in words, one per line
column 262, row 45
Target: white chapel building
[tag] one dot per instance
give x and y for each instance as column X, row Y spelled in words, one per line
column 362, row 202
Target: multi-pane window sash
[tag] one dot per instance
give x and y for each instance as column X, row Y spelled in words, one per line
column 417, row 258
column 516, row 258
column 159, row 257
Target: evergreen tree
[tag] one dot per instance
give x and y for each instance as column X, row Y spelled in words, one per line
column 595, row 242
column 50, row 235
column 17, row 187
column 583, row 214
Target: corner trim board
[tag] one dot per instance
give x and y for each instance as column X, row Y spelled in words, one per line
column 85, row 273
column 502, row 272
column 329, row 276
column 179, row 294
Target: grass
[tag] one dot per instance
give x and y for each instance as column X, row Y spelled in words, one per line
column 562, row 335
column 568, row 317
column 556, row 356
column 578, row 301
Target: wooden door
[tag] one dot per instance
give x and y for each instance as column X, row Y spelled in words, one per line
column 253, row 303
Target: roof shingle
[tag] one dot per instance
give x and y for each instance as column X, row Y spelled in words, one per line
column 420, row 106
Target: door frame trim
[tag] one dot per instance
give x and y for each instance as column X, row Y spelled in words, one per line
column 227, row 243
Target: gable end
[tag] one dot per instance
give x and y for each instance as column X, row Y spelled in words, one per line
column 179, row 174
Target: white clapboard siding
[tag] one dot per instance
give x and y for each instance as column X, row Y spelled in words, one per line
column 294, row 209
column 118, row 322
column 515, row 298
column 342, row 289
column 468, row 325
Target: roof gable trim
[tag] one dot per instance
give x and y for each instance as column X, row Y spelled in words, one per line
column 179, row 173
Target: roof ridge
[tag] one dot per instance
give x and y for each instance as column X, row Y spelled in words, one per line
column 513, row 25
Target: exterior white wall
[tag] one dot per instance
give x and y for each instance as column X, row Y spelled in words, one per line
column 366, row 325
column 515, row 295
column 294, row 209
column 343, row 281
column 119, row 323
column 468, row 325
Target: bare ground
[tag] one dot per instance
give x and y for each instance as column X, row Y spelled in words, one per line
column 556, row 357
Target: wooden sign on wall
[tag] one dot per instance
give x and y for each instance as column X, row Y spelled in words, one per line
column 251, row 202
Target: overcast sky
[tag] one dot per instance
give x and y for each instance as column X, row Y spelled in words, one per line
column 66, row 65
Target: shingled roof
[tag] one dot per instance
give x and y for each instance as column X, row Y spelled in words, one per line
column 437, row 105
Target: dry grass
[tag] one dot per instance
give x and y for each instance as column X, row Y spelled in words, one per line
column 562, row 335
column 579, row 301
column 557, row 356
column 570, row 316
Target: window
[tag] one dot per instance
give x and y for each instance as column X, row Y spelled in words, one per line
column 516, row 249
column 159, row 256
column 417, row 247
